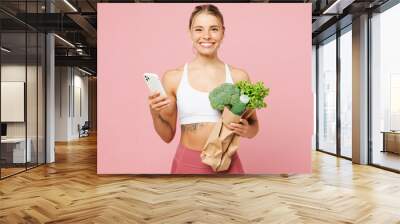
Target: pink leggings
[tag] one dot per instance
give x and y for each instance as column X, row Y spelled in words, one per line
column 188, row 161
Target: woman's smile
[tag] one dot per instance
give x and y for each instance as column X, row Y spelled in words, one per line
column 206, row 44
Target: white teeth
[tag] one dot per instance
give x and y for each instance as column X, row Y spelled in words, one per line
column 206, row 44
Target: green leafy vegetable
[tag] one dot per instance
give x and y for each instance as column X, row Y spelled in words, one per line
column 228, row 95
column 256, row 92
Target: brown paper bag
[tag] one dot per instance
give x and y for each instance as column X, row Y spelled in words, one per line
column 222, row 142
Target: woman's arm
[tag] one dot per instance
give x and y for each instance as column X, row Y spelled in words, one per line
column 247, row 127
column 163, row 109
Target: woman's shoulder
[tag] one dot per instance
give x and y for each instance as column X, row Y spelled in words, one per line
column 239, row 74
column 175, row 71
column 172, row 77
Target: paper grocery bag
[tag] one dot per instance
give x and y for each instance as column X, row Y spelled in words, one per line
column 222, row 142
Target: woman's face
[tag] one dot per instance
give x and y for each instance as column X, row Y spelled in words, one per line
column 207, row 33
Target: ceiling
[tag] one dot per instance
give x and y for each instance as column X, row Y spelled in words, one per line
column 76, row 22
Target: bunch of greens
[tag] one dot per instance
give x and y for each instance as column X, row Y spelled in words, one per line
column 238, row 97
column 256, row 92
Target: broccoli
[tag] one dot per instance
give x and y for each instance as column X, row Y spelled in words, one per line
column 227, row 95
column 239, row 105
column 237, row 97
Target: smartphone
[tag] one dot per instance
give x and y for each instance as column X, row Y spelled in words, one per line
column 153, row 82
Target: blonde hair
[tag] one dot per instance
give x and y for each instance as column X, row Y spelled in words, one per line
column 209, row 9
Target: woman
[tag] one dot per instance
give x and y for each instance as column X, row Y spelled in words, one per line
column 187, row 91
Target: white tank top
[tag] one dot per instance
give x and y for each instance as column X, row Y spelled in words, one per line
column 194, row 105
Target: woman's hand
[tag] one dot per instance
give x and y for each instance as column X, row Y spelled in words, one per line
column 158, row 103
column 241, row 128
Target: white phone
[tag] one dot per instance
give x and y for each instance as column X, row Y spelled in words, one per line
column 153, row 82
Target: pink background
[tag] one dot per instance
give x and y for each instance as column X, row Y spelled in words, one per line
column 272, row 42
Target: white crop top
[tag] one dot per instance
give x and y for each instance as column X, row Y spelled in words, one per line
column 194, row 105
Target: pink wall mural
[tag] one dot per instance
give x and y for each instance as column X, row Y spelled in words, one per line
column 272, row 42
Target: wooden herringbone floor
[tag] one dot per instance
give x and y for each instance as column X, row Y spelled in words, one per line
column 69, row 191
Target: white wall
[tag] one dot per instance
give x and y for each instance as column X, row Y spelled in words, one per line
column 33, row 127
column 71, row 93
column 62, row 81
column 12, row 73
column 81, row 100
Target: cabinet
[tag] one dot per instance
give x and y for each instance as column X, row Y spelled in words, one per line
column 391, row 142
column 13, row 151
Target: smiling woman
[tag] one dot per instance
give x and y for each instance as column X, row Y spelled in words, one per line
column 207, row 28
column 187, row 89
column 193, row 56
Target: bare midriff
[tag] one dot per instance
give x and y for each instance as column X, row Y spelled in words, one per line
column 194, row 136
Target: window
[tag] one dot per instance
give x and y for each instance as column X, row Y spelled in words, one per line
column 385, row 85
column 346, row 93
column 327, row 95
column 22, row 64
